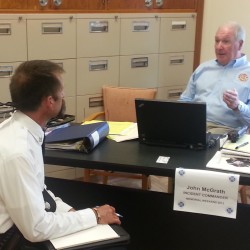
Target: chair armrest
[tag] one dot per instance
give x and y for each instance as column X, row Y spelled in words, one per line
column 94, row 116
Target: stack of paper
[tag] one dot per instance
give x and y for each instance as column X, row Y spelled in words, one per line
column 233, row 156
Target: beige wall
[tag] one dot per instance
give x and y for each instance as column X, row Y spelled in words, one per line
column 217, row 12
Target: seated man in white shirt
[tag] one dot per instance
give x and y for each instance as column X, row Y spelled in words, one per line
column 37, row 93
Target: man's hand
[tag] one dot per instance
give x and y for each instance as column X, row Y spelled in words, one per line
column 106, row 215
column 230, row 97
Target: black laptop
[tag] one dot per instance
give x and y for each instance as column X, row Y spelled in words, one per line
column 172, row 123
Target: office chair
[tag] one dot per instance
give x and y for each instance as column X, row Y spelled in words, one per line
column 119, row 105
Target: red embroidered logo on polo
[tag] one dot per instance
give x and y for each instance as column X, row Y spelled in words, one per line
column 243, row 77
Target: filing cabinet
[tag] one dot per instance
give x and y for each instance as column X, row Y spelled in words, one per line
column 139, row 71
column 13, row 29
column 171, row 93
column 51, row 36
column 94, row 72
column 177, row 32
column 176, row 52
column 88, row 104
column 175, row 68
column 139, row 34
column 6, row 71
column 124, row 49
column 147, row 49
column 98, row 35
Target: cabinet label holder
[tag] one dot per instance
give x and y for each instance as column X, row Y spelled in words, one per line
column 52, row 28
column 140, row 62
column 5, row 29
column 96, row 101
column 140, row 26
column 98, row 65
column 179, row 25
column 6, row 71
column 98, row 26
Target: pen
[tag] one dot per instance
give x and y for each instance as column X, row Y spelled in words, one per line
column 242, row 145
column 119, row 215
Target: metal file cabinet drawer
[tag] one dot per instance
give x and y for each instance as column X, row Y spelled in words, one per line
column 87, row 105
column 177, row 32
column 93, row 73
column 137, row 34
column 170, row 93
column 51, row 36
column 69, row 77
column 98, row 35
column 13, row 41
column 175, row 68
column 139, row 71
column 6, row 72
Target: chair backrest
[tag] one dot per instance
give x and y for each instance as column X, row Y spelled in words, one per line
column 119, row 102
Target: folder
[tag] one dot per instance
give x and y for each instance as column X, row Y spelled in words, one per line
column 83, row 138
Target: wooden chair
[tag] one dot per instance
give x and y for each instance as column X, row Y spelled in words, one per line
column 243, row 194
column 119, row 105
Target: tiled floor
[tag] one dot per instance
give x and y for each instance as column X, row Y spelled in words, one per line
column 158, row 183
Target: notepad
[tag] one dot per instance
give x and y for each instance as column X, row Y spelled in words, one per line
column 91, row 235
column 232, row 145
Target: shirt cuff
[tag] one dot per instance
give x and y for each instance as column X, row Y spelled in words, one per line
column 88, row 218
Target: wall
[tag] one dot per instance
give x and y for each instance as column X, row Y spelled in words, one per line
column 217, row 12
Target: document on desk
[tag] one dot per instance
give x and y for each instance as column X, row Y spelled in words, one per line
column 206, row 192
column 120, row 131
column 91, row 235
column 230, row 161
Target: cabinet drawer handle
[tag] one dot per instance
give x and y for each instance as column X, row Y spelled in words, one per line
column 95, row 101
column 98, row 26
column 52, row 28
column 98, row 65
column 5, row 29
column 174, row 94
column 179, row 25
column 174, row 60
column 140, row 62
column 6, row 71
column 140, row 26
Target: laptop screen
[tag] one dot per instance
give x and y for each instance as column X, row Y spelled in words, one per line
column 171, row 123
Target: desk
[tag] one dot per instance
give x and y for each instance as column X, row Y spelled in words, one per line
column 151, row 222
column 133, row 157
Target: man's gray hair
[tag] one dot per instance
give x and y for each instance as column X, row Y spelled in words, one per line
column 239, row 31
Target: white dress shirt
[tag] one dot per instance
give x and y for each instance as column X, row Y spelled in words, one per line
column 22, row 183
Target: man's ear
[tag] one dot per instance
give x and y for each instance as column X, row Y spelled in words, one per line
column 48, row 102
column 240, row 44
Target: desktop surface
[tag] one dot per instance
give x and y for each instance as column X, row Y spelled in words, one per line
column 134, row 157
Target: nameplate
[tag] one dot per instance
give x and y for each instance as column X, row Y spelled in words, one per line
column 206, row 192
